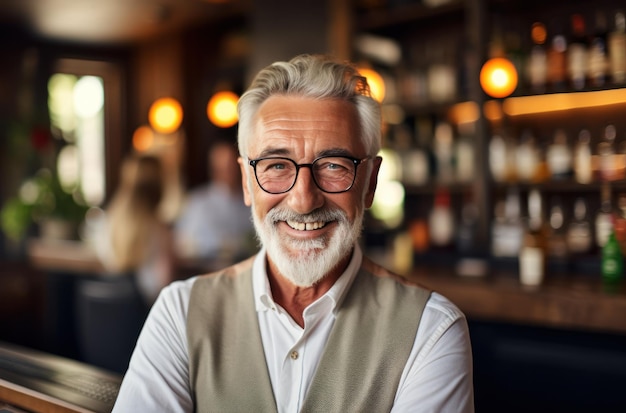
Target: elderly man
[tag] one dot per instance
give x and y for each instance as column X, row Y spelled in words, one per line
column 308, row 324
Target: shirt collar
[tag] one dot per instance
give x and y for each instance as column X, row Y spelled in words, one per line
column 263, row 294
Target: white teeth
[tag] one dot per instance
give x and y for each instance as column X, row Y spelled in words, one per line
column 305, row 226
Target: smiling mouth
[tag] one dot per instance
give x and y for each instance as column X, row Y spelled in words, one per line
column 306, row 226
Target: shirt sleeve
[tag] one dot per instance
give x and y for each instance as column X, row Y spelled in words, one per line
column 157, row 378
column 438, row 376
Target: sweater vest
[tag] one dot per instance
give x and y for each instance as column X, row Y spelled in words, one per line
column 361, row 365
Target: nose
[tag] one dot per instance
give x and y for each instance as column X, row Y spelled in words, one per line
column 305, row 196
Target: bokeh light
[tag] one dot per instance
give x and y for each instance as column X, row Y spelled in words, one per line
column 222, row 109
column 498, row 77
column 165, row 115
column 143, row 138
column 88, row 96
column 376, row 83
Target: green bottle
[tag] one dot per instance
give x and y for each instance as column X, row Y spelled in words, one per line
column 612, row 261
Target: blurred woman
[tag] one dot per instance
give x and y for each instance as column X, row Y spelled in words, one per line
column 133, row 238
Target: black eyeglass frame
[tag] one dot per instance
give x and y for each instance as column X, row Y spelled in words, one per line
column 355, row 161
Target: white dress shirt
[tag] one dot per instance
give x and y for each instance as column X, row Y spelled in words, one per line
column 436, row 378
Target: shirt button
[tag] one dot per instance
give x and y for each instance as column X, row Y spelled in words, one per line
column 294, row 355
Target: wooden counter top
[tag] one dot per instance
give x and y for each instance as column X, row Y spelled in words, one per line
column 570, row 302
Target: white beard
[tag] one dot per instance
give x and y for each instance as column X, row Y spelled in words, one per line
column 309, row 260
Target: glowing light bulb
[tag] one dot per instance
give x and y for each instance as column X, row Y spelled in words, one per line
column 165, row 115
column 222, row 109
column 498, row 77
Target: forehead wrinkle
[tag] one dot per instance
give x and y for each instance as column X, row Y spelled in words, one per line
column 302, row 125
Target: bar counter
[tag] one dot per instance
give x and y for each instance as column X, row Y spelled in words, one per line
column 568, row 302
column 565, row 301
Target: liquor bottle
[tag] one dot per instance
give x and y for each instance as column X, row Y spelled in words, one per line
column 532, row 255
column 508, row 229
column 557, row 243
column 557, row 61
column 497, row 157
column 502, row 157
column 606, row 153
column 441, row 220
column 577, row 53
column 537, row 66
column 617, row 50
column 443, row 150
column 527, row 158
column 604, row 217
column 583, row 168
column 415, row 160
column 559, row 156
column 597, row 56
column 468, row 226
column 579, row 235
column 464, row 155
column 612, row 263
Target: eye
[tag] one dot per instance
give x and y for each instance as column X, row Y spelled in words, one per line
column 334, row 164
column 274, row 165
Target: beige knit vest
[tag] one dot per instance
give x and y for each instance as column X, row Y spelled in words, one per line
column 359, row 370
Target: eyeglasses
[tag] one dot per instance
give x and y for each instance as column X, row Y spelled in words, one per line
column 331, row 174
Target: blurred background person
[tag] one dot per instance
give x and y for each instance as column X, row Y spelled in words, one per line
column 131, row 236
column 214, row 222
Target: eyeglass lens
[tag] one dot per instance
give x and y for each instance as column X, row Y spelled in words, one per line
column 331, row 174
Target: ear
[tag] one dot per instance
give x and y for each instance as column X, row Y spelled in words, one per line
column 373, row 181
column 247, row 197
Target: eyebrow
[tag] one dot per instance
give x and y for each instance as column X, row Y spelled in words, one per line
column 286, row 152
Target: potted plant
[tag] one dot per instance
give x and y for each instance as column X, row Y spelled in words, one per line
column 44, row 203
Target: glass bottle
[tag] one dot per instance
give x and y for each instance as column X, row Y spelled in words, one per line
column 557, row 61
column 532, row 255
column 443, row 151
column 464, row 152
column 597, row 56
column 617, row 49
column 557, row 242
column 527, row 158
column 579, row 236
column 577, row 53
column 468, row 226
column 507, row 228
column 612, row 263
column 559, row 156
column 604, row 217
column 441, row 220
column 606, row 152
column 415, row 161
column 583, row 168
column 537, row 68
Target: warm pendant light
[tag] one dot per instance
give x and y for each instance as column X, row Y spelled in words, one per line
column 498, row 77
column 165, row 115
column 222, row 109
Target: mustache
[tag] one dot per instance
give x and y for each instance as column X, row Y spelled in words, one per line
column 325, row 215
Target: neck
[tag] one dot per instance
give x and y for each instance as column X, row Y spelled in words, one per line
column 295, row 299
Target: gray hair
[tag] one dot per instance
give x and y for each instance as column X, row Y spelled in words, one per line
column 311, row 76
